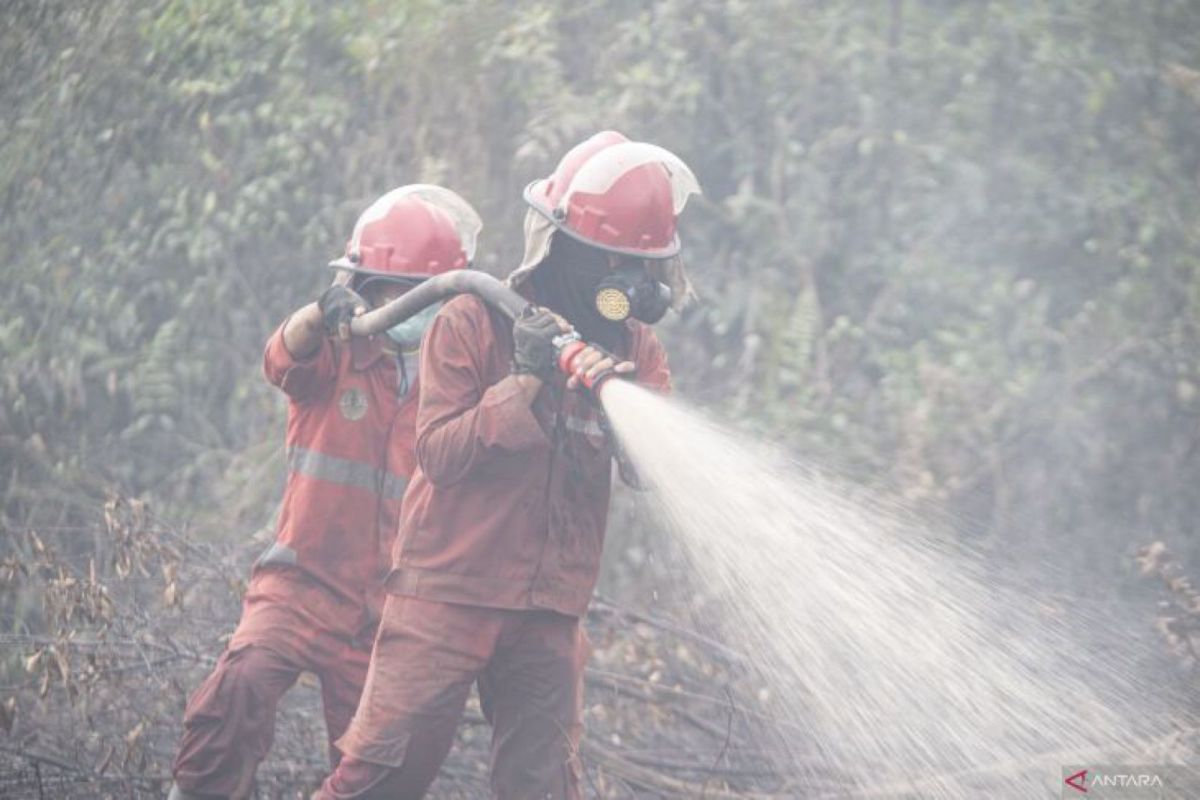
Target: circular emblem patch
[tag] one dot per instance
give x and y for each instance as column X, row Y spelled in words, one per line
column 353, row 404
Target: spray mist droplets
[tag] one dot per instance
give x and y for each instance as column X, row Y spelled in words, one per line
column 894, row 658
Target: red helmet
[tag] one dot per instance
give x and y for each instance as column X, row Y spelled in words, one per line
column 617, row 195
column 414, row 231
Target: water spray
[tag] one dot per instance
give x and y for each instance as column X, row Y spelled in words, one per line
column 898, row 660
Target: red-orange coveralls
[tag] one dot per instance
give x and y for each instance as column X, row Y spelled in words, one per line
column 315, row 595
column 499, row 550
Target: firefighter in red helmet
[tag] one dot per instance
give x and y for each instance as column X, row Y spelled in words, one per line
column 315, row 595
column 503, row 523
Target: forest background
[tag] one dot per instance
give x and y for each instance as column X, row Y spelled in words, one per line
column 949, row 247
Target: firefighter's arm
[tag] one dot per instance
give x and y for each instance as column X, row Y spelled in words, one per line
column 300, row 373
column 462, row 423
column 330, row 315
column 303, row 332
column 300, row 358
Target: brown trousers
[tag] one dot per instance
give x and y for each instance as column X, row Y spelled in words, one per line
column 288, row 626
column 529, row 666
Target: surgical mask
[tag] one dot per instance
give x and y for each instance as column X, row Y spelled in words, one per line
column 408, row 333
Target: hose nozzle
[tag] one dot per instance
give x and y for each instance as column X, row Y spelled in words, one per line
column 569, row 347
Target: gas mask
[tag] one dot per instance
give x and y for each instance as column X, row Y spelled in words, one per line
column 576, row 280
column 630, row 292
column 408, row 333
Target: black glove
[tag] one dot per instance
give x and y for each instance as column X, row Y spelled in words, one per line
column 533, row 343
column 337, row 306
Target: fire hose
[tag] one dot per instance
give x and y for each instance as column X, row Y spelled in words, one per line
column 495, row 293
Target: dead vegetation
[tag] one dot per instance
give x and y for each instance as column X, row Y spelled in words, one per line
column 109, row 629
column 1179, row 612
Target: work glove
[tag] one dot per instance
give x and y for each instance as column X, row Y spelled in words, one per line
column 338, row 304
column 534, row 332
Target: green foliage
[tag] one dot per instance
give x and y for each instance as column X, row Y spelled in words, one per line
column 953, row 244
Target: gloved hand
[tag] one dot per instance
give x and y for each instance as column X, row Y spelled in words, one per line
column 533, row 342
column 594, row 364
column 339, row 305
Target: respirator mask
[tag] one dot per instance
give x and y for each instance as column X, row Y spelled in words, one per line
column 629, row 292
column 578, row 281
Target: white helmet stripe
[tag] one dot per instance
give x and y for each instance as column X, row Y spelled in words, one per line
column 466, row 221
column 602, row 170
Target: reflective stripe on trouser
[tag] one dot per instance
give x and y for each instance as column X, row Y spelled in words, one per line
column 529, row 665
column 345, row 472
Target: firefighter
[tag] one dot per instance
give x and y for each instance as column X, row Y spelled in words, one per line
column 315, row 595
column 503, row 523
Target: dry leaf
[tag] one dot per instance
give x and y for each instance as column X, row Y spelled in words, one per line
column 8, row 714
column 132, row 737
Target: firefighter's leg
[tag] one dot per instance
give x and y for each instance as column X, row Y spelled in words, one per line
column 533, row 693
column 341, row 687
column 229, row 723
column 426, row 656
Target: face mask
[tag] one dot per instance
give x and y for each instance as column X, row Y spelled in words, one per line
column 601, row 292
column 408, row 333
column 630, row 292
